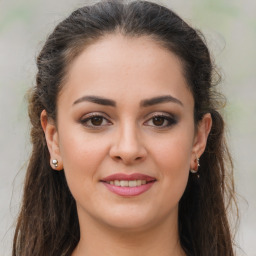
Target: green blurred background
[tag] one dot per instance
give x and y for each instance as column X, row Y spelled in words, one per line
column 230, row 29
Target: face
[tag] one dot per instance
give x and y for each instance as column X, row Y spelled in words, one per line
column 125, row 133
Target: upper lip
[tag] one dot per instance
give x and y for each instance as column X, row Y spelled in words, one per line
column 133, row 176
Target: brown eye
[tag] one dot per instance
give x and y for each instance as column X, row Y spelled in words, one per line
column 158, row 120
column 97, row 120
column 161, row 121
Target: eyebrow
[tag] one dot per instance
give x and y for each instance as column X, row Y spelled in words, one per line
column 160, row 99
column 143, row 103
column 97, row 100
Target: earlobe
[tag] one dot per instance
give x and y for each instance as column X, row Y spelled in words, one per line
column 52, row 140
column 203, row 130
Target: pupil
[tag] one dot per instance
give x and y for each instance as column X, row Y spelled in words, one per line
column 158, row 121
column 97, row 120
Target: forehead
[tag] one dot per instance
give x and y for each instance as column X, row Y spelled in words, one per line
column 124, row 52
column 115, row 63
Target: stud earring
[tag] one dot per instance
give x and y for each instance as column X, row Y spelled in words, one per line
column 197, row 165
column 55, row 163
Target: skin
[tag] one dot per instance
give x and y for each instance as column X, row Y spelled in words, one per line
column 128, row 140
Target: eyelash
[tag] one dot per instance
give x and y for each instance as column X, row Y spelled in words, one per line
column 90, row 117
column 171, row 120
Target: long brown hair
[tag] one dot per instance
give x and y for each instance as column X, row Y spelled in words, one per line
column 48, row 221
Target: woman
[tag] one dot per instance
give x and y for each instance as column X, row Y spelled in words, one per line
column 129, row 155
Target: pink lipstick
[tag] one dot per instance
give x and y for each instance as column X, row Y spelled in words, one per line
column 128, row 185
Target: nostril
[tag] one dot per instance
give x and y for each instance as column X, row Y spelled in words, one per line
column 128, row 151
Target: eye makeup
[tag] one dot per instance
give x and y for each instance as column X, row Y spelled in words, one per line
column 158, row 120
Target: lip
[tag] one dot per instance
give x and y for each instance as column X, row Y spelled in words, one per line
column 128, row 191
column 133, row 176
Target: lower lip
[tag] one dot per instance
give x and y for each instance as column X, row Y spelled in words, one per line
column 129, row 191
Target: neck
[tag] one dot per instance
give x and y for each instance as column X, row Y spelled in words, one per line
column 97, row 239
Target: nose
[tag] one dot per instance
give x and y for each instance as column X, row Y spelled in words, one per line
column 128, row 146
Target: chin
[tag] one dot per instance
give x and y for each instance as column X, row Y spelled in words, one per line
column 132, row 219
column 129, row 224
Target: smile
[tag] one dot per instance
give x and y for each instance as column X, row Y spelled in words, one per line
column 128, row 185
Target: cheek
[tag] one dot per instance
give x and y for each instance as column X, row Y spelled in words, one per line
column 174, row 153
column 82, row 157
column 172, row 156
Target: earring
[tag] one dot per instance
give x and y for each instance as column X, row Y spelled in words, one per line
column 55, row 163
column 197, row 165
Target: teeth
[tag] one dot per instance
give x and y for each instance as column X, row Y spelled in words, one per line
column 132, row 183
column 126, row 183
column 117, row 183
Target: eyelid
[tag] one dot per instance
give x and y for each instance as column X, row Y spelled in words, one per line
column 163, row 114
column 85, row 118
column 172, row 119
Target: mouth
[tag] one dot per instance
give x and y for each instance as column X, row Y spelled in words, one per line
column 128, row 185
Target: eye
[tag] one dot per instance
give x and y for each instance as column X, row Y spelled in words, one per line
column 161, row 121
column 95, row 121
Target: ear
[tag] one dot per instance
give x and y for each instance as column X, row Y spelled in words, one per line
column 52, row 139
column 200, row 140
